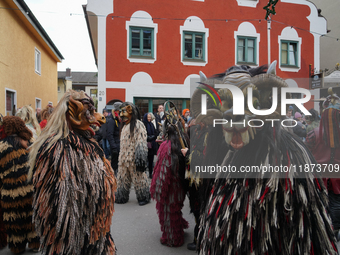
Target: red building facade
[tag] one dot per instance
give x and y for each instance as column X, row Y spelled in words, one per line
column 149, row 51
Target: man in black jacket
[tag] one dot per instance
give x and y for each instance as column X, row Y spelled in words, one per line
column 113, row 136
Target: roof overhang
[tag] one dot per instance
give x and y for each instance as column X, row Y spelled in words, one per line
column 31, row 22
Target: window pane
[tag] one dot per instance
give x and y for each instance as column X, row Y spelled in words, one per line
column 250, row 43
column 147, row 35
column 292, row 50
column 188, row 45
column 250, row 55
column 284, row 57
column 284, row 46
column 198, row 38
column 241, row 50
column 135, row 47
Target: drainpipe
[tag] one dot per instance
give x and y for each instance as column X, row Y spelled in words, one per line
column 268, row 38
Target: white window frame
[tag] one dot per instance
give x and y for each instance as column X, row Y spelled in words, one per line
column 141, row 19
column 37, row 61
column 15, row 98
column 38, row 100
column 194, row 24
column 247, row 29
column 248, row 3
column 290, row 34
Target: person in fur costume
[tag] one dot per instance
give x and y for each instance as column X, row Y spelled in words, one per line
column 133, row 155
column 16, row 191
column 74, row 182
column 168, row 186
column 26, row 113
column 324, row 143
column 261, row 213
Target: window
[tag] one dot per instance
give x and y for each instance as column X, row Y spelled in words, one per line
column 59, row 90
column 93, row 93
column 246, row 50
column 289, row 53
column 37, row 103
column 141, row 42
column 10, row 102
column 193, row 46
column 37, row 61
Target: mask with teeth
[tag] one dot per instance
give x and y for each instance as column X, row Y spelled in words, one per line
column 82, row 116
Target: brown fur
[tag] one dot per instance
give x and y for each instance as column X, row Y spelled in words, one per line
column 14, row 125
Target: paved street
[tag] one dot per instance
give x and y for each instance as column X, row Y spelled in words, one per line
column 136, row 230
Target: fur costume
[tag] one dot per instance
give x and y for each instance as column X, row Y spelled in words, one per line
column 132, row 157
column 74, row 183
column 16, row 192
column 26, row 113
column 324, row 143
column 168, row 186
column 167, row 189
column 258, row 213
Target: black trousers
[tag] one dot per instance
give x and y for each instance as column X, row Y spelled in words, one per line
column 150, row 162
column 114, row 162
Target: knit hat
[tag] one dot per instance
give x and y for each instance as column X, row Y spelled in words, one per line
column 116, row 106
column 298, row 115
column 184, row 111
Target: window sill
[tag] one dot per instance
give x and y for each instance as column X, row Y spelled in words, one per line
column 142, row 59
column 193, row 60
column 288, row 68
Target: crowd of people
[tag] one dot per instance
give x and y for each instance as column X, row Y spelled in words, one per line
column 62, row 169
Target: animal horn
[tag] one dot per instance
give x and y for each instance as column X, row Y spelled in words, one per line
column 272, row 68
column 203, row 77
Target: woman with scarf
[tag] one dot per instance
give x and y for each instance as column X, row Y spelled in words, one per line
column 152, row 133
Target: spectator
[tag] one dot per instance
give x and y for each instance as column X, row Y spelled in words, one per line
column 113, row 136
column 38, row 114
column 152, row 133
column 299, row 129
column 105, row 141
column 160, row 117
column 312, row 121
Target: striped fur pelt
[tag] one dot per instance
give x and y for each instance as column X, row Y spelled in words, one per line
column 16, row 196
column 264, row 214
column 132, row 164
column 73, row 197
column 168, row 191
column 3, row 235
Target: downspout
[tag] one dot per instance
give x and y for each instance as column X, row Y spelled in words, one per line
column 268, row 39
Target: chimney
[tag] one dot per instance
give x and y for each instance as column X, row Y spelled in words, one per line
column 68, row 72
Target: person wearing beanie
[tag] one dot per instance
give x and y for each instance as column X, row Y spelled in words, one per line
column 103, row 131
column 112, row 135
column 290, row 112
column 16, row 190
column 186, row 116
